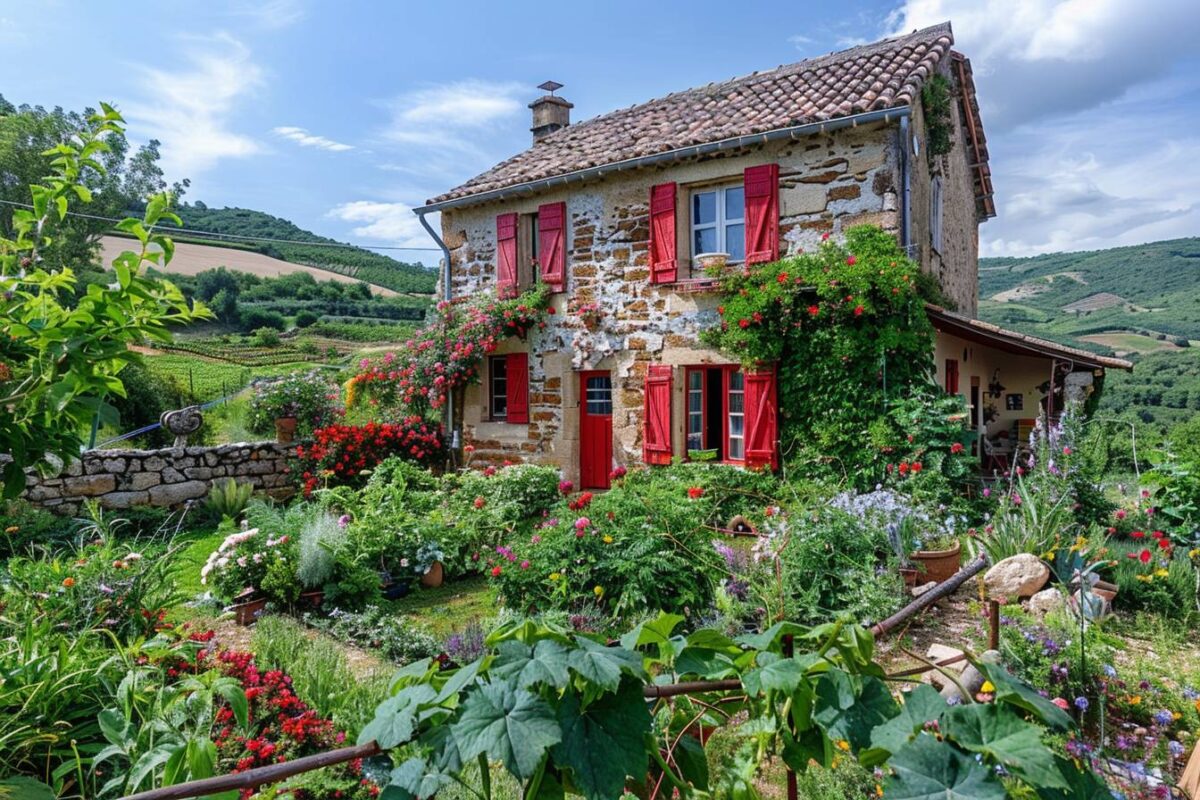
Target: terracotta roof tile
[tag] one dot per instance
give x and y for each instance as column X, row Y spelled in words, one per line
column 886, row 74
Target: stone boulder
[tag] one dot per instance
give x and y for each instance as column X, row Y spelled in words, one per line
column 1017, row 576
column 1045, row 601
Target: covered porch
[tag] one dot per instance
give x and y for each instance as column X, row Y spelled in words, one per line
column 1009, row 380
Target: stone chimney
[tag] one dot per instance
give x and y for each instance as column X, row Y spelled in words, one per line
column 549, row 112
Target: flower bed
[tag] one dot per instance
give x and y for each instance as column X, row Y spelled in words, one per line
column 340, row 453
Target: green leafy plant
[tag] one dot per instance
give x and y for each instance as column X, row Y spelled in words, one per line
column 307, row 396
column 936, row 102
column 229, row 498
column 320, row 540
column 60, row 357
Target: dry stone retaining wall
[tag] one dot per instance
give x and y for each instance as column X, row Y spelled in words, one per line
column 166, row 477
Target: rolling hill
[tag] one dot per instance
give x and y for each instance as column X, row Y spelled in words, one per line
column 307, row 248
column 1140, row 302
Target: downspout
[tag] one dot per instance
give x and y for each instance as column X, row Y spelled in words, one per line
column 906, row 181
column 447, row 296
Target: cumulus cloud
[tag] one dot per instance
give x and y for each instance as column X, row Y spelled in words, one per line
column 393, row 223
column 191, row 109
column 1090, row 107
column 305, row 139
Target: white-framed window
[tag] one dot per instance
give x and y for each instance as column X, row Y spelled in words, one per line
column 935, row 213
column 737, row 416
column 498, row 387
column 718, row 220
column 695, row 409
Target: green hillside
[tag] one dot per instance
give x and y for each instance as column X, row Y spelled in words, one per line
column 1141, row 303
column 356, row 262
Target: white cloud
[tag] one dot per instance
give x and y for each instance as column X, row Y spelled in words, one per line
column 305, row 139
column 393, row 223
column 454, row 120
column 190, row 109
column 271, row 14
column 1090, row 107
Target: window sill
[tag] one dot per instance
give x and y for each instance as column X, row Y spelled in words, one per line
column 697, row 286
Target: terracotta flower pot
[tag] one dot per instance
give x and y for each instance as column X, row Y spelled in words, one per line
column 910, row 575
column 434, row 577
column 285, row 429
column 312, row 599
column 1106, row 590
column 937, row 565
column 247, row 613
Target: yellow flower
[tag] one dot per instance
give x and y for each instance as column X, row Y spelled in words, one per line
column 1161, row 573
column 1135, row 700
column 878, row 790
column 598, row 591
column 1194, row 552
column 554, row 576
column 1198, row 706
column 12, row 529
column 1079, row 543
column 842, row 744
column 607, row 539
column 836, row 760
column 988, row 687
column 1144, row 578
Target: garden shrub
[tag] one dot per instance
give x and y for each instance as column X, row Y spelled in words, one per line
column 394, row 636
column 1046, row 654
column 307, row 396
column 1151, row 579
column 254, row 319
column 345, row 454
column 835, row 563
column 320, row 540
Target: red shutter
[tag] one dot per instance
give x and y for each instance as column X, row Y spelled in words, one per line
column 506, row 255
column 517, row 387
column 762, row 427
column 663, row 262
column 656, row 436
column 552, row 244
column 952, row 376
column 762, row 213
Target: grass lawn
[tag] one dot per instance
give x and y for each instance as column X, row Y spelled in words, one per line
column 449, row 607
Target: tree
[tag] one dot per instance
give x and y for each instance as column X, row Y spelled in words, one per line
column 116, row 181
column 61, row 356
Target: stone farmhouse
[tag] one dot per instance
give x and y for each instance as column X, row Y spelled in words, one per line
column 613, row 213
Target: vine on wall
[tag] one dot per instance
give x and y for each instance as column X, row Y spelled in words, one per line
column 847, row 329
column 935, row 100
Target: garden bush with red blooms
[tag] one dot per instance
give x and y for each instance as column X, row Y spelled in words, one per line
column 846, row 326
column 340, row 453
column 445, row 355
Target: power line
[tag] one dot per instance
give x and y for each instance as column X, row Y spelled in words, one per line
column 238, row 236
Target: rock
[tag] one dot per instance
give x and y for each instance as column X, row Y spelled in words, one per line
column 970, row 678
column 176, row 493
column 125, row 499
column 90, row 485
column 1017, row 576
column 940, row 652
column 1045, row 601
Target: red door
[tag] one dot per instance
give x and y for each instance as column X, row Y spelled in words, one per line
column 595, row 429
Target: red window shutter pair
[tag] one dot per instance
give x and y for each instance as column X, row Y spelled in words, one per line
column 762, row 213
column 762, row 425
column 656, row 435
column 552, row 245
column 506, row 256
column 517, row 387
column 761, row 185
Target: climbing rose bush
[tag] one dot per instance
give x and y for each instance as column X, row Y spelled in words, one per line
column 446, row 354
column 340, row 453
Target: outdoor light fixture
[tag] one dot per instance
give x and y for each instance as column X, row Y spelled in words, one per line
column 995, row 387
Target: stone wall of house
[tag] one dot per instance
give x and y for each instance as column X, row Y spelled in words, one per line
column 828, row 183
column 166, row 477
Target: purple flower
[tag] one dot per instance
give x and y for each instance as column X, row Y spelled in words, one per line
column 1175, row 749
column 343, row 520
column 1164, row 717
column 1081, row 703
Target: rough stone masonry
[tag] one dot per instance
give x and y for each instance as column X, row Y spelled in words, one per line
column 165, row 477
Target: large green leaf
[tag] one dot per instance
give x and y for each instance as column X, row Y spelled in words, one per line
column 845, row 714
column 692, row 762
column 926, row 769
column 704, row 663
column 545, row 662
column 509, row 724
column 605, row 742
column 655, row 631
column 1083, row 784
column 24, row 789
column 997, row 731
column 396, row 718
column 922, row 705
column 778, row 674
column 603, row 665
column 1012, row 691
column 415, row 778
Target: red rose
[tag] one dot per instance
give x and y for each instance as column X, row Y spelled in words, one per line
column 743, row 323
column 852, row 261
column 858, row 311
column 695, row 492
column 496, row 572
column 814, row 310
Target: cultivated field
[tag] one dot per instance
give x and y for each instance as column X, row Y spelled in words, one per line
column 192, row 258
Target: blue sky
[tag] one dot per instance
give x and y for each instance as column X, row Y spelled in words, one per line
column 342, row 116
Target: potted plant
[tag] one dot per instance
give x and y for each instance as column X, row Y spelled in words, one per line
column 590, row 314
column 248, row 607
column 702, row 455
column 937, row 557
column 428, row 564
column 251, row 568
column 713, row 264
column 902, row 536
column 291, row 405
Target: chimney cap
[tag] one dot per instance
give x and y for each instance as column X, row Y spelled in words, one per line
column 550, row 86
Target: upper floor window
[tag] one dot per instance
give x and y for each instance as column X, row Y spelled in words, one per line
column 719, row 222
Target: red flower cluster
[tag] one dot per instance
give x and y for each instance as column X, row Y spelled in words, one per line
column 344, row 451
column 695, row 492
column 581, row 502
column 905, row 467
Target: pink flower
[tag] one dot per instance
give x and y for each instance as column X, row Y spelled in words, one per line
column 1120, row 513
column 1061, row 703
column 525, row 564
column 851, row 261
column 566, row 487
column 583, row 523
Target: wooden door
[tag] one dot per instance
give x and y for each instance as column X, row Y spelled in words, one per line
column 595, row 429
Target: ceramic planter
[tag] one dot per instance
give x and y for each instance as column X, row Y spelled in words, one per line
column 910, row 575
column 285, row 429
column 1105, row 590
column 712, row 264
column 937, row 565
column 247, row 613
column 434, row 576
column 312, row 599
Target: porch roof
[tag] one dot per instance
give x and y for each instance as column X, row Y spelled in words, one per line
column 985, row 333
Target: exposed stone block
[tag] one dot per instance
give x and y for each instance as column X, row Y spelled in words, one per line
column 176, row 493
column 90, row 485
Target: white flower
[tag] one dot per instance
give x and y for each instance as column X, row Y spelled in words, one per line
column 404, row 562
column 134, row 557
